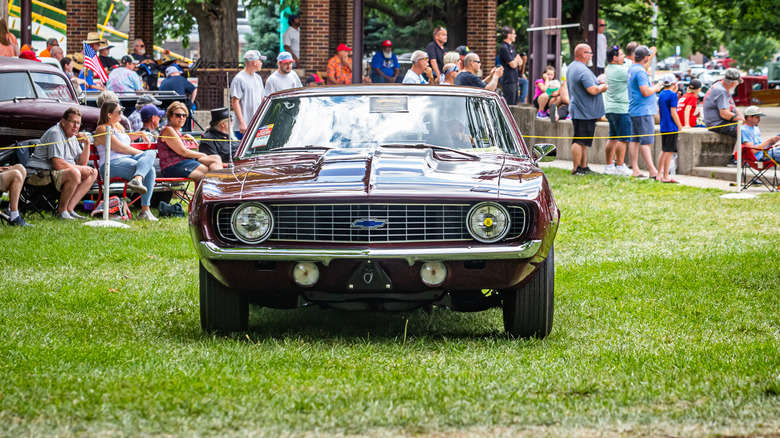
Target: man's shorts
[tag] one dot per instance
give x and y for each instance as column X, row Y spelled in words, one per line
column 730, row 130
column 182, row 169
column 669, row 142
column 43, row 177
column 619, row 126
column 584, row 128
column 644, row 126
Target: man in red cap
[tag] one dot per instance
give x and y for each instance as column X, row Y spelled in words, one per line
column 340, row 66
column 384, row 65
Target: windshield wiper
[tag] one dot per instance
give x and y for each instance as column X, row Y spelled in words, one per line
column 300, row 148
column 430, row 146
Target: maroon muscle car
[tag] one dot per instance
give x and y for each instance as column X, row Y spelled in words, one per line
column 33, row 98
column 379, row 197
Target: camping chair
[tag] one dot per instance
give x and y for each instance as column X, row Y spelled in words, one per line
column 38, row 199
column 94, row 157
column 761, row 172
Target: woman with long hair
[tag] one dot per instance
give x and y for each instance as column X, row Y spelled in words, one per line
column 179, row 156
column 8, row 44
column 127, row 162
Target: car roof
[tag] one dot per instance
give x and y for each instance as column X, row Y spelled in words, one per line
column 402, row 89
column 18, row 64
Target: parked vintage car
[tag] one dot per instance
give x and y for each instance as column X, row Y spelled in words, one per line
column 33, row 97
column 379, row 197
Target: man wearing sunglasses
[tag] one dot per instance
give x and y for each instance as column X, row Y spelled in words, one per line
column 469, row 78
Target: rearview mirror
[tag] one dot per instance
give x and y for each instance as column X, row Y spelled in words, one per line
column 542, row 150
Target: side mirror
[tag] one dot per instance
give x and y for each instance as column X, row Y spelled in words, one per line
column 542, row 150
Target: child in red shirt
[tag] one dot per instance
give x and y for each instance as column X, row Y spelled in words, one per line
column 686, row 106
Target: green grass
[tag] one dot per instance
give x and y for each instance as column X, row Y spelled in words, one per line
column 667, row 322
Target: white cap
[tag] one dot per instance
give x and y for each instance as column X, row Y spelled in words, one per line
column 753, row 111
column 254, row 55
column 669, row 79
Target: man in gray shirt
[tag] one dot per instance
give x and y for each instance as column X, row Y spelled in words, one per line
column 61, row 158
column 719, row 108
column 585, row 106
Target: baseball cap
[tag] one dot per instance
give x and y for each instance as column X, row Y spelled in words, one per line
column 418, row 55
column 284, row 57
column 254, row 55
column 669, row 79
column 694, row 84
column 147, row 99
column 343, row 48
column 641, row 52
column 172, row 69
column 150, row 111
column 387, row 43
column 127, row 58
column 732, row 74
column 463, row 50
column 753, row 111
column 313, row 78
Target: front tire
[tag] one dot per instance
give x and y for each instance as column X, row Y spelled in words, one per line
column 528, row 310
column 221, row 309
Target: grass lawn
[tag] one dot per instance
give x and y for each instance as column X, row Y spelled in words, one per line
column 667, row 322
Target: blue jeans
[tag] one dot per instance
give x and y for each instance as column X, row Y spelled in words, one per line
column 523, row 89
column 139, row 164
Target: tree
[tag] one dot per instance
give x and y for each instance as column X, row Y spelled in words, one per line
column 265, row 31
column 752, row 51
column 217, row 26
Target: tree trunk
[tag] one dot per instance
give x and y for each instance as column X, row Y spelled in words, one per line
column 218, row 29
column 3, row 9
column 455, row 13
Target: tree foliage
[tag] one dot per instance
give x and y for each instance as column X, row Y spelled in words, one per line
column 752, row 51
column 264, row 20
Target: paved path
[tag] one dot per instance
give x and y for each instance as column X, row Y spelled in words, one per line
column 694, row 181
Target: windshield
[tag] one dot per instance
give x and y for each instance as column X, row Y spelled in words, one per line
column 472, row 124
column 43, row 86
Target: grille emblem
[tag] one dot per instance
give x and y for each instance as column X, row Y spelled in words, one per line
column 369, row 223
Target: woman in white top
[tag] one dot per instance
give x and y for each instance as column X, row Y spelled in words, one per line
column 127, row 162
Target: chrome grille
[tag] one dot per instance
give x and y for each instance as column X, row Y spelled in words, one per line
column 336, row 223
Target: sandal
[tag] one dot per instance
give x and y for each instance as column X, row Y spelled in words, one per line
column 671, row 181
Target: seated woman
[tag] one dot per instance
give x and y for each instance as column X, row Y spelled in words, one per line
column 127, row 162
column 546, row 92
column 179, row 156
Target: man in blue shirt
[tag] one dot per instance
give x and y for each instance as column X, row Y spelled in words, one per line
column 384, row 65
column 585, row 106
column 469, row 78
column 174, row 81
column 642, row 106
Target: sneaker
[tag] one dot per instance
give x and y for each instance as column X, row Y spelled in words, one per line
column 623, row 170
column 147, row 215
column 137, row 186
column 542, row 115
column 75, row 215
column 19, row 222
column 732, row 162
column 610, row 169
column 64, row 215
column 578, row 171
column 586, row 169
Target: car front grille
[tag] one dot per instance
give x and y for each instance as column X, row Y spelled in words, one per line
column 369, row 223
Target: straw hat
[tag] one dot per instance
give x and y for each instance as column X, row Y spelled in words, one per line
column 94, row 38
column 78, row 60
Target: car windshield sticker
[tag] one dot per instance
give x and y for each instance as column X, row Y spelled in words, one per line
column 262, row 136
column 389, row 104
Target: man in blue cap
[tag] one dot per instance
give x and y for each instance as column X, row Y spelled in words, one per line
column 283, row 78
column 151, row 116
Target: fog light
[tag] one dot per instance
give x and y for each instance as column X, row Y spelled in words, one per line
column 433, row 273
column 306, row 274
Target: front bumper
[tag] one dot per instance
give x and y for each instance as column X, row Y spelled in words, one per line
column 527, row 249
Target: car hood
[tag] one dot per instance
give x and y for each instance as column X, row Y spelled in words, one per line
column 387, row 172
column 38, row 115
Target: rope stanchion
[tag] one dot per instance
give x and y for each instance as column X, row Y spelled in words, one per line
column 619, row 136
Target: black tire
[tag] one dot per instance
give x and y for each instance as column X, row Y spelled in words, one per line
column 528, row 310
column 221, row 309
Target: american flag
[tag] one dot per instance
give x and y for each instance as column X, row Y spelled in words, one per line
column 92, row 62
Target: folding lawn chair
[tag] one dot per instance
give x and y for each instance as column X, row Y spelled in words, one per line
column 761, row 172
column 38, row 199
column 126, row 202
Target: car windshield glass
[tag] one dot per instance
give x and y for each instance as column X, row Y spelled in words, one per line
column 51, row 86
column 472, row 124
column 15, row 84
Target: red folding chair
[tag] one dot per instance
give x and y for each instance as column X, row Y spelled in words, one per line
column 762, row 172
column 95, row 158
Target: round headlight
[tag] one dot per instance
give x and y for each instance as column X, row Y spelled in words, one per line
column 252, row 222
column 488, row 222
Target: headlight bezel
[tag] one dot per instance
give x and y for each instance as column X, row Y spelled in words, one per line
column 489, row 204
column 240, row 209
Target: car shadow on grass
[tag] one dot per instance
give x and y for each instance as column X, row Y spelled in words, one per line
column 317, row 324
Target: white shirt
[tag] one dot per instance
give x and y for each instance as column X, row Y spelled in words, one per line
column 292, row 38
column 413, row 78
column 278, row 81
column 249, row 91
column 601, row 55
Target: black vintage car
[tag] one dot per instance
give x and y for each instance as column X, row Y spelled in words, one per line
column 379, row 197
